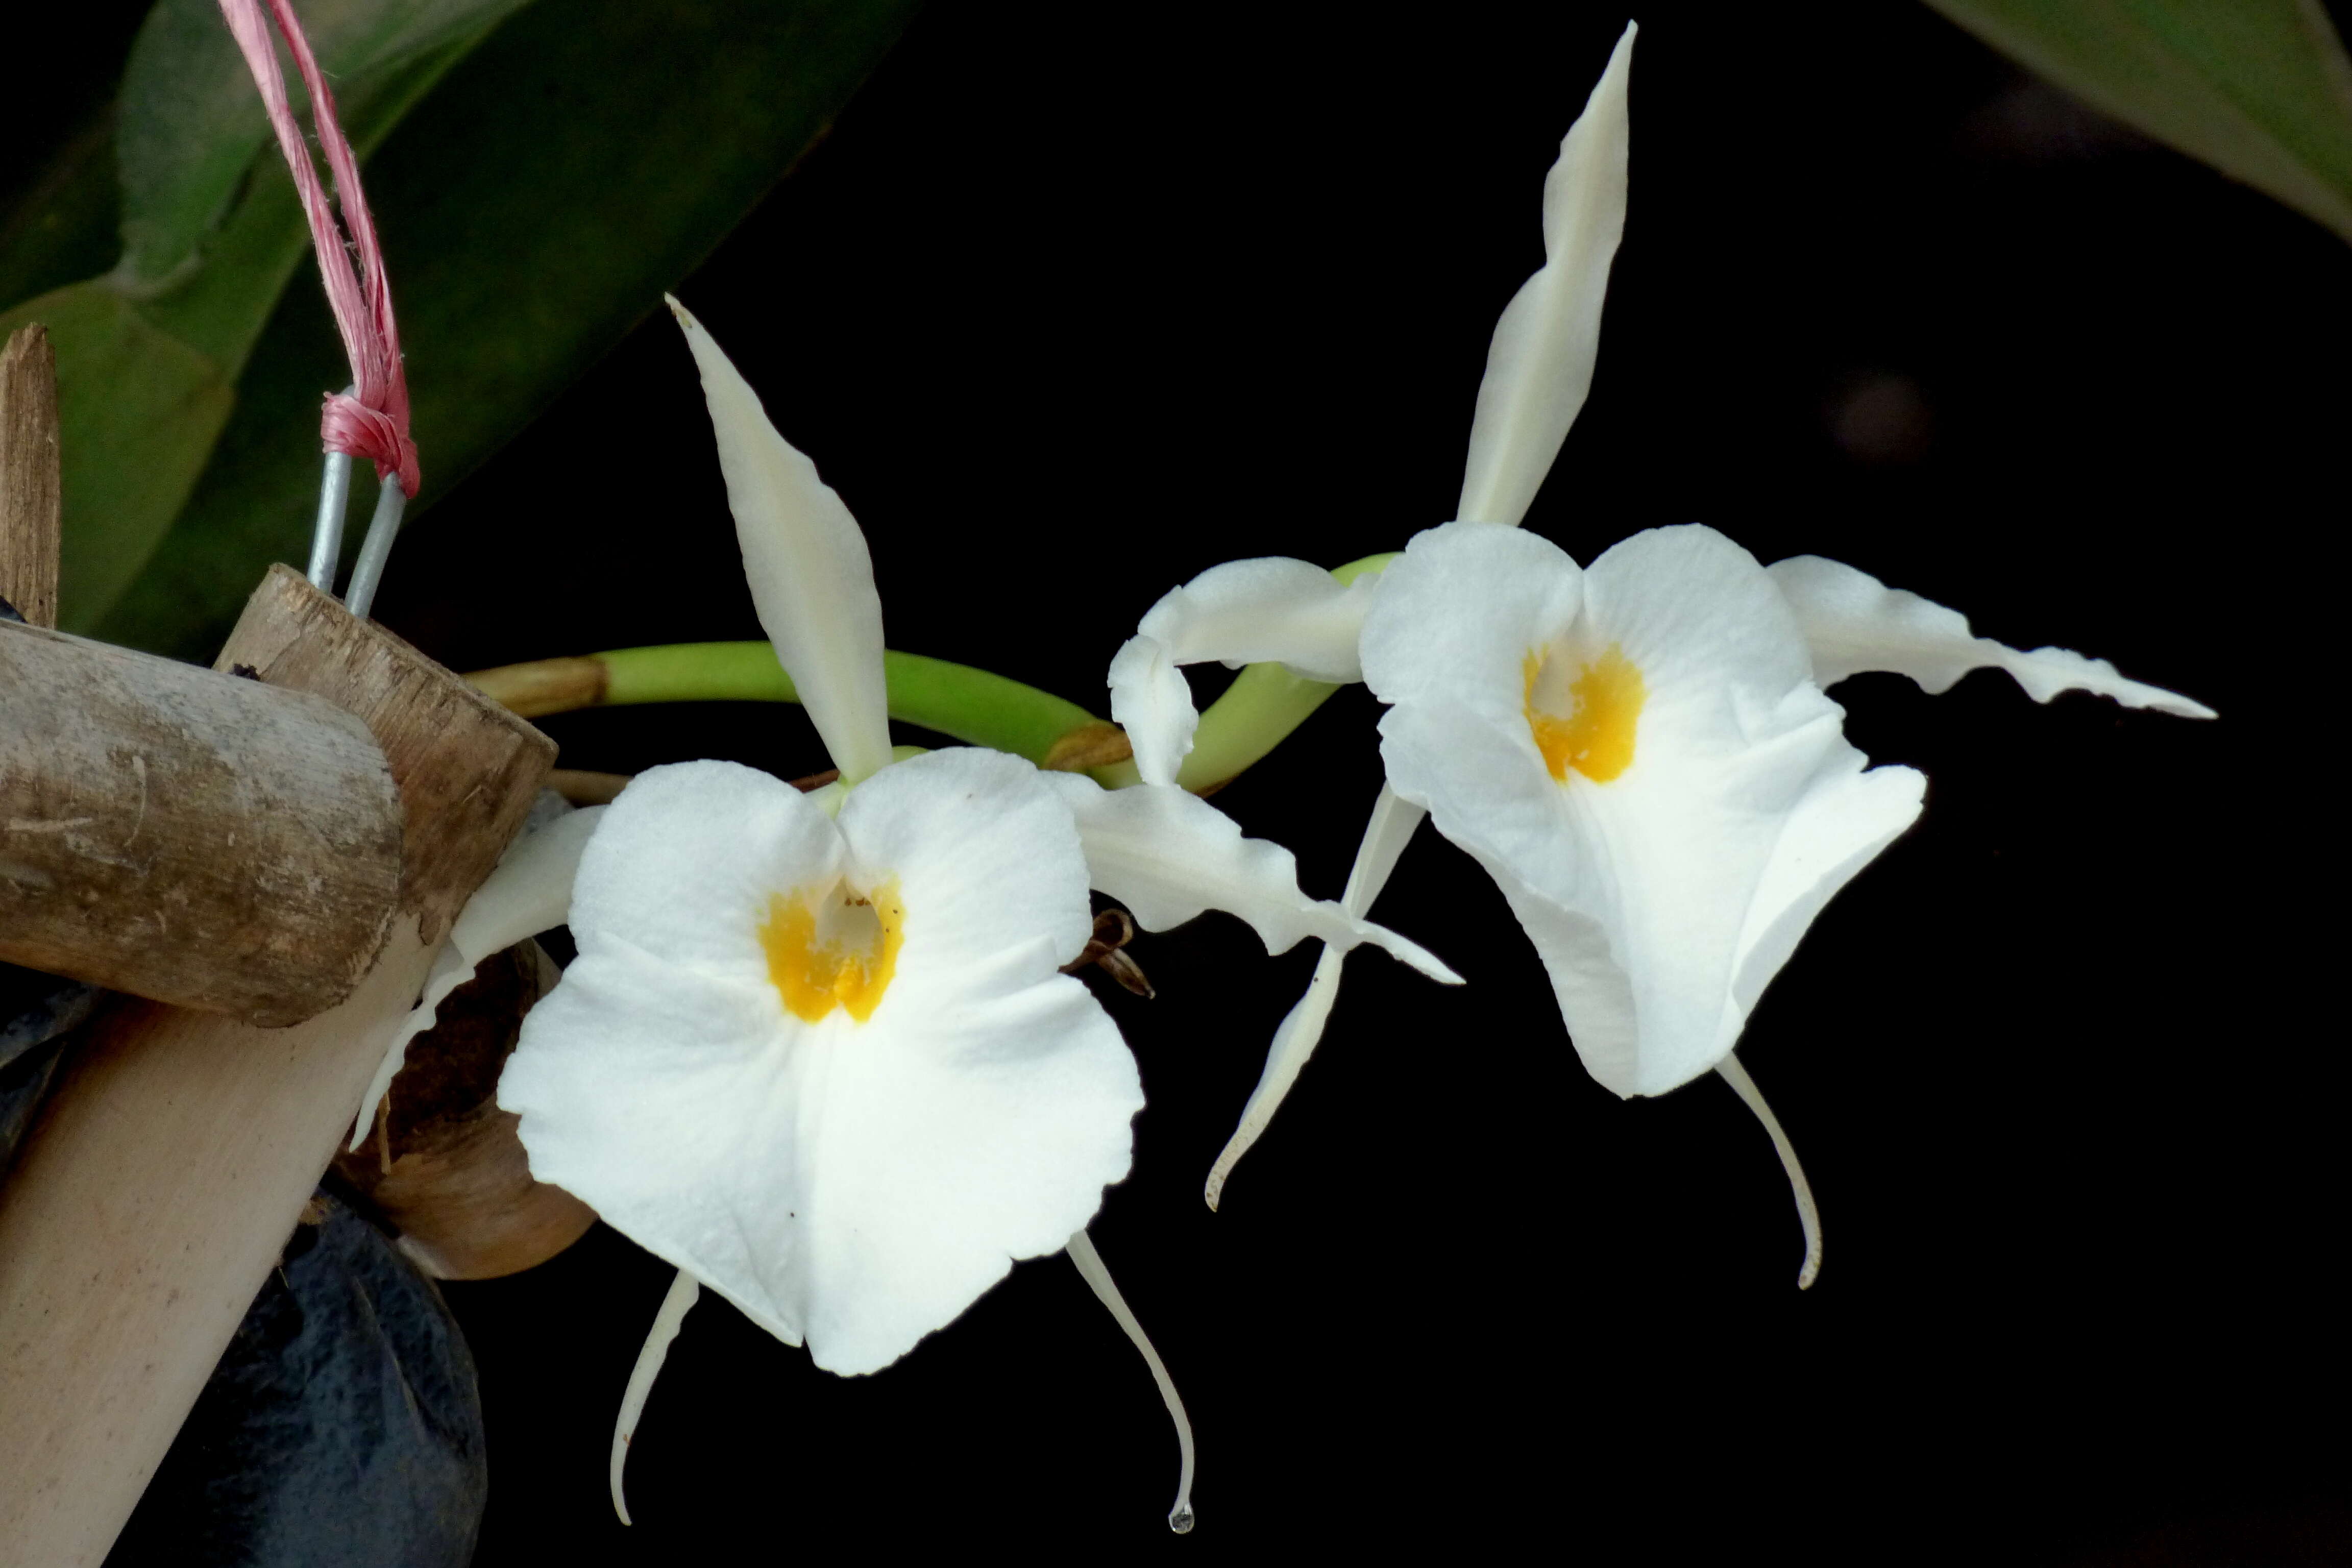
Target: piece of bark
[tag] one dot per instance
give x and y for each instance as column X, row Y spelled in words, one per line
column 31, row 492
column 187, row 836
column 178, row 1148
column 459, row 797
column 457, row 1186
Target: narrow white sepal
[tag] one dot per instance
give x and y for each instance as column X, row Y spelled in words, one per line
column 1272, row 610
column 811, row 578
column 1168, row 855
column 1540, row 367
column 1808, row 1215
column 1098, row 1279
column 683, row 1291
column 1854, row 623
column 1392, row 823
column 1294, row 1042
column 530, row 892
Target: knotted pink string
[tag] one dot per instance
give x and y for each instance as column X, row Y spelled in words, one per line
column 371, row 422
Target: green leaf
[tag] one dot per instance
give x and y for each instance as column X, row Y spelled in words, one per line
column 137, row 416
column 579, row 163
column 212, row 271
column 2259, row 89
column 192, row 125
column 148, row 352
column 585, row 158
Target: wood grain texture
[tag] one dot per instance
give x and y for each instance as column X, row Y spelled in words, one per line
column 175, row 1155
column 185, row 836
column 467, row 769
column 30, row 493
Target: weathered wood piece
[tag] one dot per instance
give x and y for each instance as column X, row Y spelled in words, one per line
column 30, row 490
column 175, row 1154
column 185, row 836
column 468, row 768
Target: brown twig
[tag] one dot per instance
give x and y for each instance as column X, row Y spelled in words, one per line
column 30, row 493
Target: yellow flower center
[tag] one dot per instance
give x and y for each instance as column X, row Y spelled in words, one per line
column 827, row 949
column 1605, row 702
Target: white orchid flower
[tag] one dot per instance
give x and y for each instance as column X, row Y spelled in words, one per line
column 1639, row 751
column 818, row 1051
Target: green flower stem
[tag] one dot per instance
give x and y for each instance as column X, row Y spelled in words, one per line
column 1263, row 706
column 1260, row 708
column 1257, row 712
column 973, row 706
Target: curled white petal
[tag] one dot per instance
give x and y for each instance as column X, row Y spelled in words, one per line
column 1853, row 622
column 1845, row 815
column 1269, row 610
column 1392, row 826
column 683, row 1291
column 1150, row 699
column 529, row 893
column 811, row 578
column 1098, row 1280
column 1540, row 367
column 1168, row 855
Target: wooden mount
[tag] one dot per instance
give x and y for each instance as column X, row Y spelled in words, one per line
column 175, row 1156
column 467, row 768
column 188, row 836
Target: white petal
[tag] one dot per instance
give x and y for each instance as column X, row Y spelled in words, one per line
column 670, row 1103
column 1461, row 610
column 1385, row 836
column 1853, row 622
column 1845, row 816
column 529, row 893
column 1540, row 367
column 982, row 848
column 1269, row 610
column 1663, row 900
column 1168, row 854
column 857, row 1184
column 688, row 858
column 811, row 576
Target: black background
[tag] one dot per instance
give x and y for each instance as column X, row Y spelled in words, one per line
column 1077, row 302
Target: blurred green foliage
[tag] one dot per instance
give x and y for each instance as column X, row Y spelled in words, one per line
column 539, row 172
column 2259, row 89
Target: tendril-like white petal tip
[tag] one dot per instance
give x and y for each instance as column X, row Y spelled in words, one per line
column 683, row 1291
column 1808, row 1215
column 1097, row 1277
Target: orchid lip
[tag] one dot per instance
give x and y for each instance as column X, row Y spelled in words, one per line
column 832, row 948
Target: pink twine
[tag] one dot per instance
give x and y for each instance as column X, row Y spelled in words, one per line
column 372, row 423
